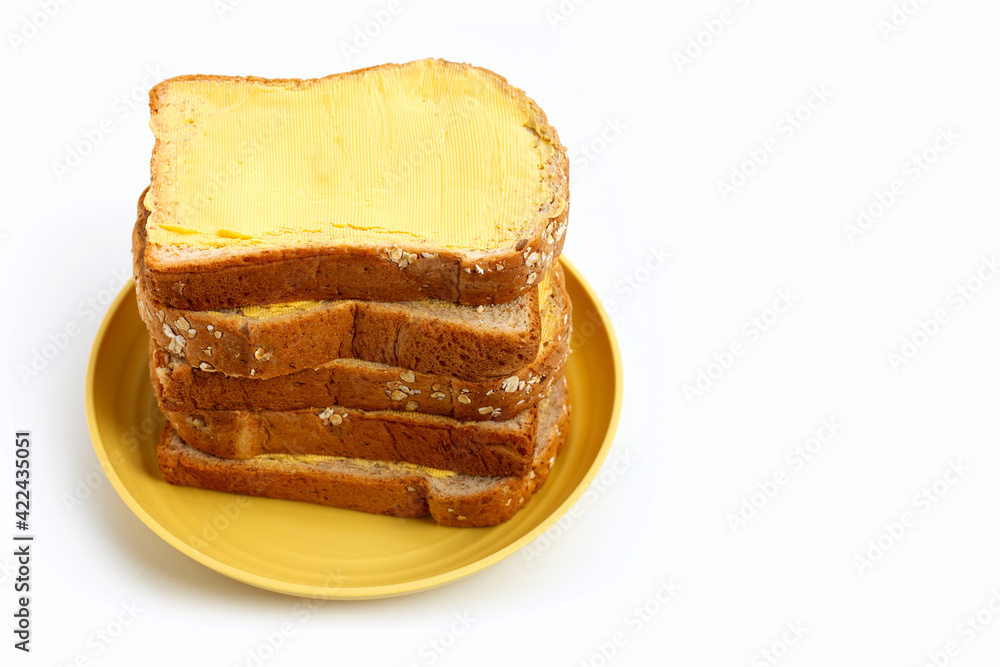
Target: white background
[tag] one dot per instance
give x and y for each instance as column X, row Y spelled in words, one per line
column 662, row 135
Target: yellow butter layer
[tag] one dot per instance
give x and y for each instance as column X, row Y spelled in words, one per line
column 427, row 152
column 279, row 309
column 398, row 466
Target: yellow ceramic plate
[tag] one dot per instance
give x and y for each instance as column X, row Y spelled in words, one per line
column 322, row 552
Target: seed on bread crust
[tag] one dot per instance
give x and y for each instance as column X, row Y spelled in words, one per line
column 330, row 417
column 465, row 400
column 408, row 258
column 176, row 344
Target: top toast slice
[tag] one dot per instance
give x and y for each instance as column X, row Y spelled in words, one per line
column 429, row 336
column 398, row 182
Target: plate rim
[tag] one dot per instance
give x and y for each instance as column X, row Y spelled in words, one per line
column 360, row 592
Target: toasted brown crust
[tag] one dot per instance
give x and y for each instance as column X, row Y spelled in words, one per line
column 476, row 448
column 364, row 271
column 460, row 500
column 390, row 333
column 361, row 385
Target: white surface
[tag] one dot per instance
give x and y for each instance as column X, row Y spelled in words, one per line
column 608, row 65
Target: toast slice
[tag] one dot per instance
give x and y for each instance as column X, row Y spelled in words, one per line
column 430, row 336
column 402, row 490
column 477, row 448
column 429, row 179
column 365, row 385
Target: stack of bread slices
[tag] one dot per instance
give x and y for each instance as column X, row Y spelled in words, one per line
column 352, row 289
